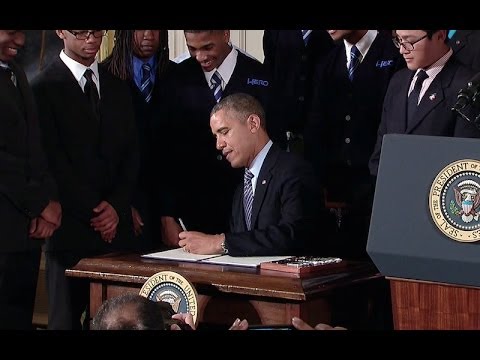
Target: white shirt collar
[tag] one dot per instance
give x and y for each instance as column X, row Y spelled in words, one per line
column 363, row 45
column 78, row 70
column 225, row 69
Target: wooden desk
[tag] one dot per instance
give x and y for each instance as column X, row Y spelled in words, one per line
column 228, row 292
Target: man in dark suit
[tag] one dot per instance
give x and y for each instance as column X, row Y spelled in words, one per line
column 89, row 133
column 140, row 57
column 342, row 126
column 419, row 99
column 277, row 209
column 201, row 182
column 28, row 193
column 290, row 58
column 466, row 47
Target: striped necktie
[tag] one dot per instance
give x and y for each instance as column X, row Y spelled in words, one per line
column 248, row 197
column 306, row 35
column 146, row 86
column 216, row 86
column 355, row 58
column 10, row 73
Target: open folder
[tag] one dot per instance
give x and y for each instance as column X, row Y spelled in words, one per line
column 181, row 255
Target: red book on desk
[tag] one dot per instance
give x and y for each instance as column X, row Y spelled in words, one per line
column 304, row 264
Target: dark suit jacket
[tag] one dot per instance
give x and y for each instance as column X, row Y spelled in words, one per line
column 151, row 131
column 291, row 66
column 92, row 160
column 342, row 125
column 25, row 185
column 287, row 212
column 200, row 181
column 466, row 45
column 434, row 115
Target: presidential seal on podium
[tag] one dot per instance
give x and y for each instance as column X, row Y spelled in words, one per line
column 173, row 288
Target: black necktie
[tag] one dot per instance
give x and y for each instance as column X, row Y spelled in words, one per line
column 414, row 95
column 91, row 92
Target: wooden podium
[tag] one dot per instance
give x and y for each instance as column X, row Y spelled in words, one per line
column 422, row 305
column 419, row 239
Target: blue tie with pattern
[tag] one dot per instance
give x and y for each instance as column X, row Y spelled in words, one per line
column 248, row 197
column 146, row 86
column 306, row 35
column 216, row 86
column 355, row 58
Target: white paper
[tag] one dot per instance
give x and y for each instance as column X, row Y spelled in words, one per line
column 177, row 254
column 251, row 261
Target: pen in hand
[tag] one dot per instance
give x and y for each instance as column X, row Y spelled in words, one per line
column 182, row 224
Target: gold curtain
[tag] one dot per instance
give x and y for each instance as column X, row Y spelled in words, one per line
column 107, row 45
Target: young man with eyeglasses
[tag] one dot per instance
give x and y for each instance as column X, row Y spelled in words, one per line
column 88, row 129
column 419, row 99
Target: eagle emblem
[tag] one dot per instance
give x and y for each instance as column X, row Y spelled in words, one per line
column 468, row 199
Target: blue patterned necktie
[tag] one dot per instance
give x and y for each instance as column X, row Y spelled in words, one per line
column 216, row 86
column 306, row 35
column 10, row 73
column 146, row 86
column 248, row 197
column 355, row 58
column 412, row 101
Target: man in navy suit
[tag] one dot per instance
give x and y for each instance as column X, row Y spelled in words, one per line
column 429, row 58
column 342, row 126
column 281, row 213
column 89, row 133
column 200, row 183
column 29, row 208
column 290, row 59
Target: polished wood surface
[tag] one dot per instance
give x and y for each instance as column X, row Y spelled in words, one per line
column 421, row 305
column 228, row 292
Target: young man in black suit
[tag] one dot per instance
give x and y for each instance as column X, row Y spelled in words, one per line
column 290, row 59
column 342, row 126
column 200, row 182
column 423, row 107
column 140, row 57
column 89, row 133
column 28, row 195
column 277, row 209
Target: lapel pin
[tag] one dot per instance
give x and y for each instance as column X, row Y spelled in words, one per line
column 433, row 96
column 264, row 182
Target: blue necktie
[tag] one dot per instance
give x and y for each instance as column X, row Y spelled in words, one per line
column 146, row 86
column 216, row 86
column 355, row 58
column 306, row 35
column 412, row 102
column 248, row 197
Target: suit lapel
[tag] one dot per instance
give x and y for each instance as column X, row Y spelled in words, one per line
column 263, row 181
column 433, row 96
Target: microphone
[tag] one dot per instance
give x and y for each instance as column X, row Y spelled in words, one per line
column 469, row 94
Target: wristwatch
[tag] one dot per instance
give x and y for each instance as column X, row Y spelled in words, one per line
column 224, row 247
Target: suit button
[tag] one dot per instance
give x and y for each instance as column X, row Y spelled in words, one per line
column 219, row 157
column 347, row 117
column 347, row 140
column 301, row 98
column 457, row 42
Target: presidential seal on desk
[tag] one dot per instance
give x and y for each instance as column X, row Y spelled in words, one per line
column 454, row 200
column 173, row 288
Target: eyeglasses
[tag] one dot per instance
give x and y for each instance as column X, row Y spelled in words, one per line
column 407, row 45
column 85, row 34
